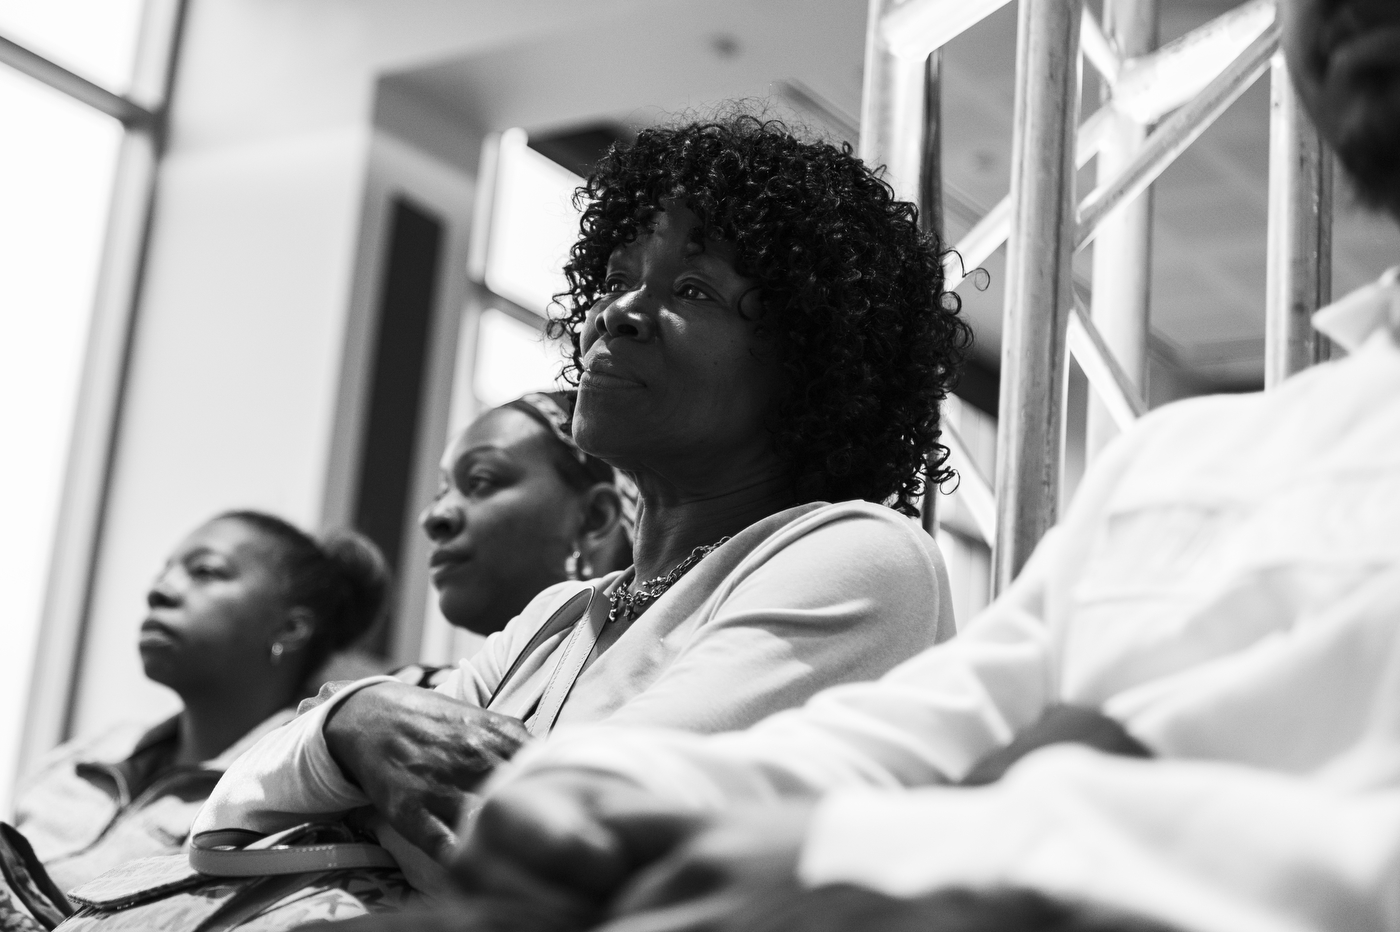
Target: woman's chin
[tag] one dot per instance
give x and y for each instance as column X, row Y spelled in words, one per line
column 467, row 611
column 161, row 667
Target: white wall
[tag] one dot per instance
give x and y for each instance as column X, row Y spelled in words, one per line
column 233, row 381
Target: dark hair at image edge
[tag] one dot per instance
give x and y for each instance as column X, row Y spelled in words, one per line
column 868, row 340
column 342, row 579
column 1354, row 53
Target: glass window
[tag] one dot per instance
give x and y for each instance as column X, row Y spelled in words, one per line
column 56, row 170
column 512, row 358
column 533, row 224
column 94, row 38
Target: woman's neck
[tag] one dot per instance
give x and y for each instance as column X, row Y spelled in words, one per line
column 210, row 724
column 671, row 525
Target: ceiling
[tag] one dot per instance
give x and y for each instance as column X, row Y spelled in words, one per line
column 803, row 58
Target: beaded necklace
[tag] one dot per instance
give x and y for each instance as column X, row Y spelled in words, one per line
column 628, row 605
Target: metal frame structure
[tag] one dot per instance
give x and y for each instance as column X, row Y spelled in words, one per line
column 1157, row 102
column 142, row 112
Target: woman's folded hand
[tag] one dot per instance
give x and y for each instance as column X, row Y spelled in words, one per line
column 416, row 752
column 567, row 839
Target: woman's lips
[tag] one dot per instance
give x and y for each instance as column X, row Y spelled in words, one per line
column 601, row 378
column 156, row 634
column 443, row 562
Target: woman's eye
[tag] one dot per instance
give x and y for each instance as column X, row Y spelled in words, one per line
column 477, row 485
column 205, row 571
column 614, row 286
column 692, row 292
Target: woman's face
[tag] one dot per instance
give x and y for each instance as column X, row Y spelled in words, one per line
column 213, row 608
column 503, row 522
column 675, row 380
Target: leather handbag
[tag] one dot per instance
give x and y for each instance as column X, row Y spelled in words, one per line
column 29, row 901
column 314, row 871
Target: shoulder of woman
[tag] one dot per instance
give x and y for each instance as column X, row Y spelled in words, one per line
column 850, row 540
column 112, row 745
column 853, row 526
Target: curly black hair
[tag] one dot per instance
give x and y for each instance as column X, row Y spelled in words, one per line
column 852, row 292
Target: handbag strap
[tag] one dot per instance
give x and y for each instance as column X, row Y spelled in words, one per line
column 563, row 618
column 227, row 854
column 576, row 651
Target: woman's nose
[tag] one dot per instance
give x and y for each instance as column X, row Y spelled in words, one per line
column 441, row 521
column 630, row 315
column 162, row 594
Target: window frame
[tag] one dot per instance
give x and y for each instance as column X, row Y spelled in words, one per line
column 143, row 111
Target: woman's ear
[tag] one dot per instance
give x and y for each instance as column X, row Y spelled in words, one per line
column 602, row 542
column 602, row 512
column 296, row 630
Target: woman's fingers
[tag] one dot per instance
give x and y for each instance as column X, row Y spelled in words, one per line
column 423, row 828
column 750, row 849
column 551, row 831
column 504, row 880
column 677, row 879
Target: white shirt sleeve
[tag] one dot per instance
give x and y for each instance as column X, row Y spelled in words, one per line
column 1208, row 847
column 928, row 720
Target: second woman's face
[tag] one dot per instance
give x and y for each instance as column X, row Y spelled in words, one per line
column 502, row 524
column 213, row 608
column 676, row 381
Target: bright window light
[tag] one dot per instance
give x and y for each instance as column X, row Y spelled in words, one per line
column 56, row 168
column 512, row 359
column 533, row 225
column 94, row 38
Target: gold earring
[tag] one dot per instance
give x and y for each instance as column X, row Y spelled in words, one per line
column 572, row 564
column 277, row 651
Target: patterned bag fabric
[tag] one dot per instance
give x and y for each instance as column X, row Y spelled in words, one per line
column 167, row 893
column 29, row 901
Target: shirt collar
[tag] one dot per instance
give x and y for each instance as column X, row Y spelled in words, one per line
column 232, row 752
column 1350, row 321
column 168, row 729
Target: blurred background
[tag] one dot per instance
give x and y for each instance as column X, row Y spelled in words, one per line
column 272, row 253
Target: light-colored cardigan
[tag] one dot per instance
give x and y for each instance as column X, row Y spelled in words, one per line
column 807, row 598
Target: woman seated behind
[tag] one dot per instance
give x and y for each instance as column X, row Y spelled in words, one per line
column 520, row 508
column 245, row 609
column 761, row 340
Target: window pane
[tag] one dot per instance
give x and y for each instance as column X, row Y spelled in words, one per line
column 94, row 38
column 533, row 225
column 512, row 359
column 56, row 170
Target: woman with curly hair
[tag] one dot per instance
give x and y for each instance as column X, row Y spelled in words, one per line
column 761, row 340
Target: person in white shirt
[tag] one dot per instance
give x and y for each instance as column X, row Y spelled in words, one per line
column 1225, row 588
column 769, row 375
